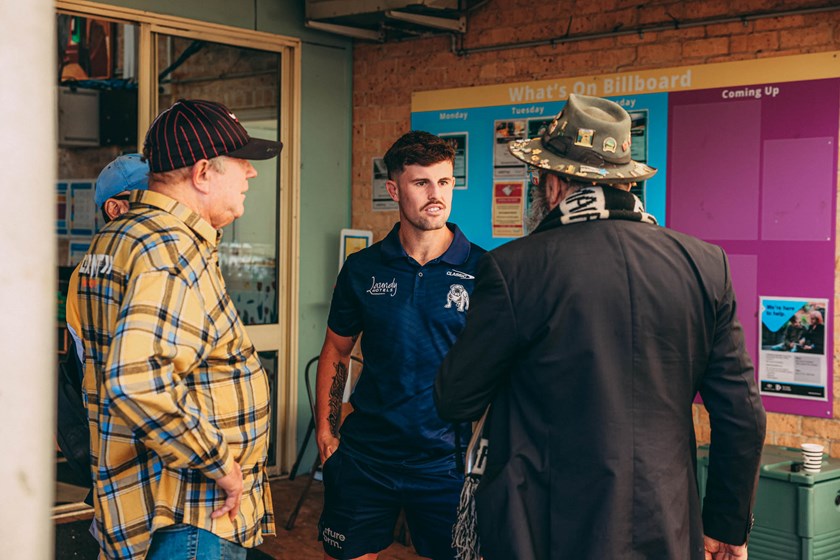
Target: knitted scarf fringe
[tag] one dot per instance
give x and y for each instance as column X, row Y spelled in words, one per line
column 465, row 530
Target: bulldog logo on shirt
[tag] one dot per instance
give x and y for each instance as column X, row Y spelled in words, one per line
column 459, row 296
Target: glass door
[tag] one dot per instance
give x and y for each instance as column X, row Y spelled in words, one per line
column 118, row 67
column 97, row 107
column 247, row 81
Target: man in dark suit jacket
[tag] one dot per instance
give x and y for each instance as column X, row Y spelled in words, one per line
column 591, row 338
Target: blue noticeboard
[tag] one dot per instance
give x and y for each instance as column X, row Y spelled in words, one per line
column 490, row 128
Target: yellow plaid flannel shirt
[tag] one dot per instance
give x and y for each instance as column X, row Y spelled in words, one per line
column 175, row 390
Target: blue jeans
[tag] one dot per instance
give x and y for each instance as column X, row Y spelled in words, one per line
column 186, row 542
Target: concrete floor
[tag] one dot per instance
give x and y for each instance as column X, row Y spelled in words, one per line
column 301, row 543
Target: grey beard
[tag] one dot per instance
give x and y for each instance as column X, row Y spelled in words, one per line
column 537, row 210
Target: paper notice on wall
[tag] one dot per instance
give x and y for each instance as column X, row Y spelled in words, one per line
column 504, row 164
column 381, row 200
column 792, row 361
column 458, row 141
column 508, row 203
column 82, row 207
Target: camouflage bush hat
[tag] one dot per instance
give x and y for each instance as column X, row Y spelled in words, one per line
column 588, row 141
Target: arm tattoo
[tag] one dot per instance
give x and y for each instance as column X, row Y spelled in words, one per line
column 336, row 395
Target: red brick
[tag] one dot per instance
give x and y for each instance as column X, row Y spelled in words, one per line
column 597, row 45
column 785, row 52
column 578, row 63
column 658, row 54
column 587, row 8
column 806, row 36
column 821, row 428
column 651, row 14
column 723, row 58
column 684, row 34
column 779, row 23
column 702, row 433
column 609, row 60
column 754, row 42
column 786, row 440
column 785, row 423
column 706, row 47
column 710, row 9
column 732, row 28
column 637, row 38
column 395, row 112
column 365, row 113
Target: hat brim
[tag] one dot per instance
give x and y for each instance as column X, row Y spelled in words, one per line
column 257, row 149
column 532, row 152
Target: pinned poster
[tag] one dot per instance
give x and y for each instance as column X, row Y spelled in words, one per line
column 504, row 164
column 380, row 199
column 353, row 241
column 792, row 360
column 82, row 208
column 458, row 141
column 508, row 204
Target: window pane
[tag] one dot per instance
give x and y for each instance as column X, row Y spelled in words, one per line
column 247, row 82
column 268, row 359
column 97, row 121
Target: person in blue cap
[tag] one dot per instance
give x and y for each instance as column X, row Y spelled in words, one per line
column 113, row 186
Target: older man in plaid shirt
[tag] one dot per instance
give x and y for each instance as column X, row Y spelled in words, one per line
column 177, row 399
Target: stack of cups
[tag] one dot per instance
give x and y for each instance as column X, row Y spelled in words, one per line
column 812, row 455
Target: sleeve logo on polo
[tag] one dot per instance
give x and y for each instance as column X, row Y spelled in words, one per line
column 382, row 288
column 459, row 296
column 96, row 265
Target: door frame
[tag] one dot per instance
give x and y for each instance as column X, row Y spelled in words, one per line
column 282, row 336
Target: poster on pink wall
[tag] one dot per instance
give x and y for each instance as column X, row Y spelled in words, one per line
column 747, row 153
column 754, row 170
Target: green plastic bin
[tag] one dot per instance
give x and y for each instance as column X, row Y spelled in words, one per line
column 797, row 514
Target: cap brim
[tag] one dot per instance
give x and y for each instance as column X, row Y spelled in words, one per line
column 533, row 152
column 257, row 148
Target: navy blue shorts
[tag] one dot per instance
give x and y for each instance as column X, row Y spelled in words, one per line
column 362, row 502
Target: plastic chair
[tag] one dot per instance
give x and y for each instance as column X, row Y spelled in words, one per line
column 310, row 429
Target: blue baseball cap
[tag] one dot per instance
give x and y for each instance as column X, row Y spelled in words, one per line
column 126, row 173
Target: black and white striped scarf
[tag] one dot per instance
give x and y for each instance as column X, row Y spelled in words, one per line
column 597, row 203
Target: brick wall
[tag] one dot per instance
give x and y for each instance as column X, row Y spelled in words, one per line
column 386, row 75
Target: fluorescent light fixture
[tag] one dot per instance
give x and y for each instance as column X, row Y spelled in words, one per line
column 458, row 25
column 355, row 32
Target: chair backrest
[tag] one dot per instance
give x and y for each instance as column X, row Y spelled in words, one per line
column 310, row 372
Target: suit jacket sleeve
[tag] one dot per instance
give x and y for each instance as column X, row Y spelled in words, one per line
column 738, row 425
column 480, row 359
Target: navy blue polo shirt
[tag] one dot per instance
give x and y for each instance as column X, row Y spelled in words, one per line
column 410, row 315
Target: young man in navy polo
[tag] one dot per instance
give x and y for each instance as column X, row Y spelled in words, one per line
column 409, row 295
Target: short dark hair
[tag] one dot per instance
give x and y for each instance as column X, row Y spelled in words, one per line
column 417, row 148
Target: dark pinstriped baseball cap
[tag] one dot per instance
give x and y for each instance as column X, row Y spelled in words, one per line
column 194, row 129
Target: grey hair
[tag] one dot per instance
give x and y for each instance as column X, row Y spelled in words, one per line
column 176, row 176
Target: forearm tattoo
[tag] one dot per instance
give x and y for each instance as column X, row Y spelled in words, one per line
column 336, row 396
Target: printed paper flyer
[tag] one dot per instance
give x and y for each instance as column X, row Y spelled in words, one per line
column 458, row 141
column 381, row 200
column 507, row 209
column 792, row 361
